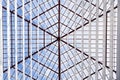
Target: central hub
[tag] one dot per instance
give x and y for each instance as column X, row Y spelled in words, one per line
column 58, row 38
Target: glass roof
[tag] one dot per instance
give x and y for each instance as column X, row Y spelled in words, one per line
column 74, row 16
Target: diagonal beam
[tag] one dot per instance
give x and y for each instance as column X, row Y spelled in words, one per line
column 44, row 65
column 92, row 73
column 86, row 55
column 22, row 5
column 93, row 5
column 30, row 56
column 44, row 12
column 74, row 12
column 74, row 65
column 26, row 74
column 29, row 22
column 87, row 23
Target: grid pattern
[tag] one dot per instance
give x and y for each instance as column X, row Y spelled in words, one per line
column 63, row 39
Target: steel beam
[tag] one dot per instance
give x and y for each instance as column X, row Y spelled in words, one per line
column 24, row 4
column 86, row 55
column 94, row 5
column 44, row 12
column 92, row 73
column 44, row 65
column 74, row 12
column 26, row 74
column 32, row 23
column 30, row 56
column 59, row 55
column 86, row 23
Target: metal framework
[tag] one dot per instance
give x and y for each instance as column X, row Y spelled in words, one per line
column 58, row 39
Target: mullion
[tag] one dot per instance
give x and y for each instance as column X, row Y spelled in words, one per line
column 45, row 11
column 27, row 7
column 88, row 22
column 70, row 59
column 52, row 75
column 51, row 50
column 88, row 12
column 33, row 74
column 22, row 5
column 66, row 26
column 87, row 55
column 53, row 66
column 66, row 58
column 49, row 13
column 71, row 76
column 51, row 26
column 47, row 18
column 54, row 63
column 44, row 75
column 67, row 50
column 65, row 10
column 12, row 4
column 43, row 21
column 46, row 58
column 70, row 20
column 44, row 66
column 73, row 12
column 65, row 29
column 51, row 6
column 66, row 17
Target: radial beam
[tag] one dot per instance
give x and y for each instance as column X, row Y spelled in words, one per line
column 30, row 56
column 44, row 12
column 59, row 56
column 73, row 12
column 86, row 55
column 29, row 22
column 87, row 23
